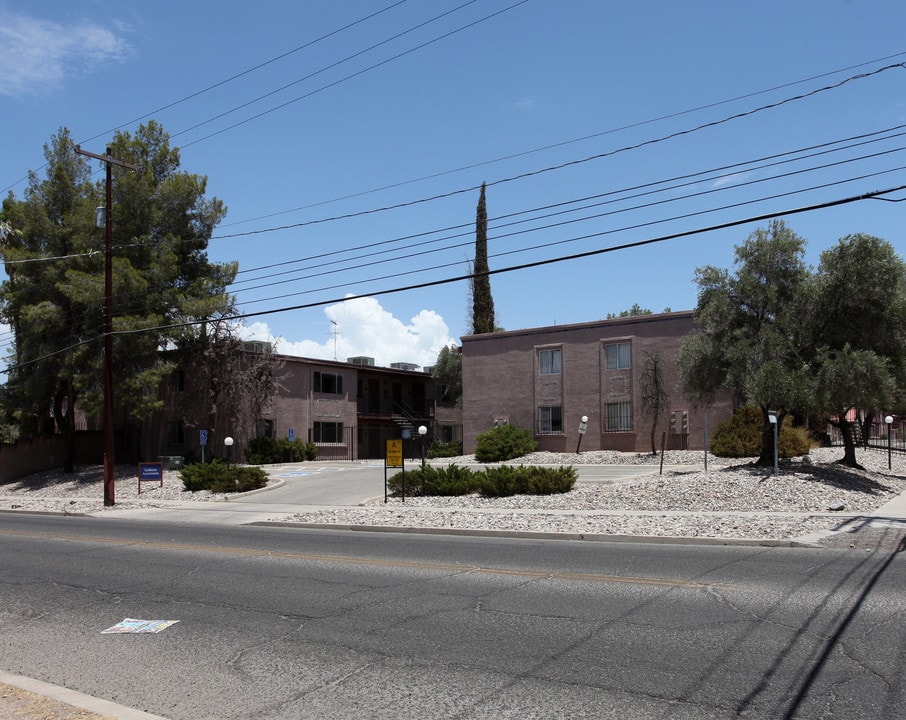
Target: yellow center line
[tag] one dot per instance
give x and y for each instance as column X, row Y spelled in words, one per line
column 355, row 560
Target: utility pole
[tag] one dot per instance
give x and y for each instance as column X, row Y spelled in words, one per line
column 108, row 320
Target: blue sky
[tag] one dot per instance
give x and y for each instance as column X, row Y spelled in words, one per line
column 626, row 121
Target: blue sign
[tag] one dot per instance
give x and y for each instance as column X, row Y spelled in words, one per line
column 203, row 437
column 292, row 434
column 150, row 471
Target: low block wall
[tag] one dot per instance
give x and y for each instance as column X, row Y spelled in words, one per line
column 45, row 452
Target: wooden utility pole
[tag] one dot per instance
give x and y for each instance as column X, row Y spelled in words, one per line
column 109, row 484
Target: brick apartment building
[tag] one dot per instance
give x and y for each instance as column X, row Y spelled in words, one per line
column 347, row 409
column 548, row 378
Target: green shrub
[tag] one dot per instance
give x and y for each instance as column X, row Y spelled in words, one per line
column 263, row 450
column 506, row 480
column 500, row 481
column 504, row 442
column 444, row 450
column 450, row 481
column 740, row 436
column 793, row 441
column 219, row 477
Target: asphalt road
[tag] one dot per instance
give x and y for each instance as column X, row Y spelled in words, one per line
column 288, row 623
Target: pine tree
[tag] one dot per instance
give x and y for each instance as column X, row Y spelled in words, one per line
column 482, row 302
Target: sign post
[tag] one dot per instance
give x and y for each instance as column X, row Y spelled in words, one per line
column 394, row 459
column 291, row 436
column 202, row 440
column 150, row 472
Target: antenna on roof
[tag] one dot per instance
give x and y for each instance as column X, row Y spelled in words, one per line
column 334, row 331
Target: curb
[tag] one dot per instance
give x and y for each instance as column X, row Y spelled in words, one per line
column 530, row 535
column 56, row 693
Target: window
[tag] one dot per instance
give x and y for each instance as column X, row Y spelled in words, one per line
column 178, row 381
column 328, row 432
column 617, row 356
column 176, row 434
column 550, row 420
column 331, row 383
column 549, row 361
column 619, row 417
column 265, row 428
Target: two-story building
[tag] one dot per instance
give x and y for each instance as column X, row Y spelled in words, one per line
column 347, row 409
column 547, row 379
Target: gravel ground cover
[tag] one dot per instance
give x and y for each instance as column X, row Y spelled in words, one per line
column 732, row 499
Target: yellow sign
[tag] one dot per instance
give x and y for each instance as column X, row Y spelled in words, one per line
column 394, row 453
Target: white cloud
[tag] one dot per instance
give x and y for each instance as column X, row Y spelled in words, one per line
column 731, row 179
column 37, row 56
column 364, row 327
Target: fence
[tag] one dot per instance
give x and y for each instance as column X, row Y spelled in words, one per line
column 880, row 437
column 369, row 442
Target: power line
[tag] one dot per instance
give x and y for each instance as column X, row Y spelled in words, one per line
column 618, row 195
column 563, row 143
column 571, row 163
column 692, row 179
column 319, row 71
column 355, row 74
column 876, row 194
column 823, row 148
column 230, row 79
column 564, row 258
column 588, row 236
column 498, row 237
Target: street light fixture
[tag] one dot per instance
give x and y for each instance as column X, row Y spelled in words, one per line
column 583, row 426
column 228, row 441
column 772, row 418
column 422, row 431
column 889, row 421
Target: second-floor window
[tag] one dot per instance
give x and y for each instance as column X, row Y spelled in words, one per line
column 550, row 361
column 617, row 356
column 326, row 382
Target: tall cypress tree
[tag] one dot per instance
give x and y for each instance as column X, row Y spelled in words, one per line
column 482, row 302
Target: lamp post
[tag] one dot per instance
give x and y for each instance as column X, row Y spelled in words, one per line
column 583, row 426
column 422, row 431
column 228, row 441
column 889, row 421
column 772, row 418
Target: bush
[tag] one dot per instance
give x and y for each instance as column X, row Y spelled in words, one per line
column 440, row 482
column 218, row 477
column 793, row 441
column 499, row 481
column 444, row 450
column 263, row 450
column 506, row 480
column 504, row 442
column 740, row 436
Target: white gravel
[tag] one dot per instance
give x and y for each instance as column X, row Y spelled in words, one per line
column 731, row 500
